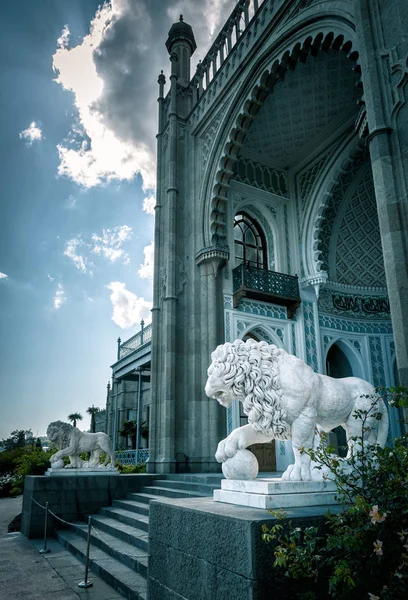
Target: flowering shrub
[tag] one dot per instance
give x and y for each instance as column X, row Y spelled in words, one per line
column 32, row 462
column 361, row 552
column 6, row 483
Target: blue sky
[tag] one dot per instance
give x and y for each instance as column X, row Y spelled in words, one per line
column 78, row 121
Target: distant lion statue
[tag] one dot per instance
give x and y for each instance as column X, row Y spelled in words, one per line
column 284, row 399
column 71, row 442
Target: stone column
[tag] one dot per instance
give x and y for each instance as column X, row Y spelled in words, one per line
column 154, row 430
column 121, row 390
column 108, row 410
column 213, row 416
column 383, row 48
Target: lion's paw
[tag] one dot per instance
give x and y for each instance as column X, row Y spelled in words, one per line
column 296, row 473
column 220, row 455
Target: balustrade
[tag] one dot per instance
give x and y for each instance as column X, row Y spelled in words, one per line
column 224, row 44
column 141, row 338
column 132, row 457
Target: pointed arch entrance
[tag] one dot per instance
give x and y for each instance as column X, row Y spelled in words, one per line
column 341, row 362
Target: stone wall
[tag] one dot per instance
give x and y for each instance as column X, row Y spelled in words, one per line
column 72, row 498
column 217, row 554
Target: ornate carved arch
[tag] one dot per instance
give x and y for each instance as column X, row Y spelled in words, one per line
column 285, row 61
column 322, row 210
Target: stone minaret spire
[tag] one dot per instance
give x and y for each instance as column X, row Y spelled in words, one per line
column 166, row 431
column 181, row 41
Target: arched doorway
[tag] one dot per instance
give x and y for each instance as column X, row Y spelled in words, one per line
column 338, row 365
column 265, row 453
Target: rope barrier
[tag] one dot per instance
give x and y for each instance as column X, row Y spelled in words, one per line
column 79, row 526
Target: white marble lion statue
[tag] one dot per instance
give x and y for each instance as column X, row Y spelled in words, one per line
column 284, row 399
column 71, row 442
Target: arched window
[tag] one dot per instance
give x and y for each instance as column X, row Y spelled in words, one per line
column 249, row 242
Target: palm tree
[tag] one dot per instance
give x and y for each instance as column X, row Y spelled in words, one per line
column 129, row 430
column 93, row 410
column 74, row 417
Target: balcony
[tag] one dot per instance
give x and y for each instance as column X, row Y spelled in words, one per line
column 137, row 341
column 267, row 286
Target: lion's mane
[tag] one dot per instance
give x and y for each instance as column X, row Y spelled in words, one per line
column 62, row 432
column 251, row 370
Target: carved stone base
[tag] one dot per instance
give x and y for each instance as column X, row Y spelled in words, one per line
column 276, row 493
column 80, row 472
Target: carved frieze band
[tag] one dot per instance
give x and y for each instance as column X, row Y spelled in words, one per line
column 354, row 305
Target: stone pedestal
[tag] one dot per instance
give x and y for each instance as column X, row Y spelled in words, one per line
column 73, row 497
column 276, row 493
column 81, row 472
column 205, row 550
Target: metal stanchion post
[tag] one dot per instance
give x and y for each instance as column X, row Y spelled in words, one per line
column 45, row 550
column 86, row 583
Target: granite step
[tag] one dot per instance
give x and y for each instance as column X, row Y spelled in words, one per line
column 143, row 498
column 187, row 486
column 171, row 492
column 131, row 505
column 210, row 479
column 128, row 554
column 123, row 532
column 126, row 516
column 126, row 581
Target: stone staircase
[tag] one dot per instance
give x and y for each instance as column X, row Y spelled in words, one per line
column 119, row 542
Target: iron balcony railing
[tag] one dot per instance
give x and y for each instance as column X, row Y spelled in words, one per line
column 132, row 457
column 141, row 338
column 269, row 286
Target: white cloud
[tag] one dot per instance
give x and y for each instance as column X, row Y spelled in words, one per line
column 32, row 134
column 110, row 243
column 149, row 202
column 63, row 40
column 71, row 251
column 59, row 297
column 112, row 74
column 3, row 276
column 50, row 278
column 146, row 269
column 128, row 309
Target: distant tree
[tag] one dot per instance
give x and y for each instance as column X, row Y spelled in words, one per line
column 129, row 430
column 38, row 444
column 93, row 410
column 17, row 439
column 74, row 417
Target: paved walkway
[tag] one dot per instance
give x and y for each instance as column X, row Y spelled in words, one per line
column 27, row 575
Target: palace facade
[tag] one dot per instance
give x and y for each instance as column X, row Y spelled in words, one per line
column 281, row 215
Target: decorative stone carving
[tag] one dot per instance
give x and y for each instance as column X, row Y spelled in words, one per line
column 258, row 175
column 209, row 137
column 72, row 442
column 377, row 307
column 284, row 398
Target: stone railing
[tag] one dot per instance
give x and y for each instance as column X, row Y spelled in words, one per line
column 137, row 341
column 132, row 457
column 226, row 40
column 235, row 40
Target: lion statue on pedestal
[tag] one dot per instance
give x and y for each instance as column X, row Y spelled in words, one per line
column 284, row 399
column 71, row 442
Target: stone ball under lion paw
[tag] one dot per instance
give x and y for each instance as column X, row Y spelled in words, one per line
column 58, row 464
column 243, row 465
